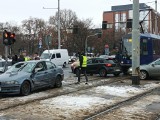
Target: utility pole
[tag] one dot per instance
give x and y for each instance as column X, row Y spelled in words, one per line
column 59, row 34
column 156, row 28
column 135, row 44
column 59, row 27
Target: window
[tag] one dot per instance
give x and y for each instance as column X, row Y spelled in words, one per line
column 50, row 65
column 143, row 47
column 157, row 62
column 89, row 61
column 53, row 56
column 58, row 55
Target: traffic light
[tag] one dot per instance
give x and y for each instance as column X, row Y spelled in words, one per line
column 104, row 25
column 129, row 23
column 99, row 34
column 8, row 38
column 75, row 29
column 12, row 38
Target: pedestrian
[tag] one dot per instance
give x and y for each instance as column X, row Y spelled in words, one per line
column 14, row 59
column 26, row 57
column 21, row 58
column 36, row 57
column 82, row 67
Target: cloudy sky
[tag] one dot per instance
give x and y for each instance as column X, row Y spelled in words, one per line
column 18, row 10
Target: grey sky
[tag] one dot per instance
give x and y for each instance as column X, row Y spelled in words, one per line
column 18, row 10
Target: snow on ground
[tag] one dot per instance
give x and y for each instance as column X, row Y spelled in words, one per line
column 86, row 101
column 123, row 91
column 74, row 102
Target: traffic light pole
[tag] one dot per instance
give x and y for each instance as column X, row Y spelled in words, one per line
column 6, row 58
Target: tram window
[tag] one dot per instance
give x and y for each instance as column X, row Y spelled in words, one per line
column 156, row 44
column 144, row 48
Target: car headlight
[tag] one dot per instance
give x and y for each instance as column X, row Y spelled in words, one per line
column 11, row 82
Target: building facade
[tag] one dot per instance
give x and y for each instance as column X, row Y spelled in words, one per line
column 117, row 21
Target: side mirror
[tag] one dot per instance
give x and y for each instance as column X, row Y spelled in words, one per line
column 153, row 65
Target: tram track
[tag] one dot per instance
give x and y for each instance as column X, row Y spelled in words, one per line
column 72, row 88
column 115, row 106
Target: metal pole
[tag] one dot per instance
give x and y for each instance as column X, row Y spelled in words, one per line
column 135, row 44
column 6, row 58
column 59, row 34
column 86, row 45
column 156, row 28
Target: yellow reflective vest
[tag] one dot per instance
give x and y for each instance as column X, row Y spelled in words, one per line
column 84, row 64
column 26, row 58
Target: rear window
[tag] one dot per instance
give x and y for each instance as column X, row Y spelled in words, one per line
column 110, row 61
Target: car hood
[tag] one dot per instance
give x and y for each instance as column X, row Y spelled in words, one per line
column 7, row 76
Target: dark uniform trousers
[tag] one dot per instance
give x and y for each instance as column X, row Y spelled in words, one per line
column 82, row 70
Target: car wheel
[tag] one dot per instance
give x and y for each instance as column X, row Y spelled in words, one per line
column 58, row 82
column 25, row 88
column 143, row 75
column 77, row 72
column 116, row 74
column 102, row 73
column 64, row 64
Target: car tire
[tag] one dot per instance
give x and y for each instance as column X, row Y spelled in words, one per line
column 143, row 75
column 116, row 74
column 102, row 72
column 25, row 88
column 58, row 82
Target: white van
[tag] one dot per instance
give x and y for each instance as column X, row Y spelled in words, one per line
column 57, row 56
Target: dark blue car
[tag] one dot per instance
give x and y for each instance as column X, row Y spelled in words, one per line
column 24, row 77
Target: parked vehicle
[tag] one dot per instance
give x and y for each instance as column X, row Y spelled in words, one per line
column 24, row 77
column 74, row 65
column 100, row 66
column 2, row 64
column 149, row 50
column 72, row 59
column 149, row 70
column 57, row 56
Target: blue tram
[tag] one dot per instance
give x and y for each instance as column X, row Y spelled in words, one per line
column 149, row 50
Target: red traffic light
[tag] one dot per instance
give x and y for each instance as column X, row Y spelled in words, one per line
column 12, row 35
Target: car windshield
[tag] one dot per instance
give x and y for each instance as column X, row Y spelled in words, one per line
column 44, row 56
column 26, row 67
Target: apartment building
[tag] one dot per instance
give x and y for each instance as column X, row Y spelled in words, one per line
column 119, row 15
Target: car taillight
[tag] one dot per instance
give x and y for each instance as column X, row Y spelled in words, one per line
column 108, row 65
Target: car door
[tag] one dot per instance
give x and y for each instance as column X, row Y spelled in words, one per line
column 51, row 70
column 40, row 75
column 92, row 65
column 155, row 68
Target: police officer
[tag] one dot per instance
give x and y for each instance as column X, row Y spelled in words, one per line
column 82, row 67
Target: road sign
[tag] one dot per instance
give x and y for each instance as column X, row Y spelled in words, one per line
column 40, row 41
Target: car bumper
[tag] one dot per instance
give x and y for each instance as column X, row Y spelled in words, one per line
column 114, row 71
column 10, row 89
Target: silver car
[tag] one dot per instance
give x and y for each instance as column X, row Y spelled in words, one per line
column 150, row 70
column 24, row 77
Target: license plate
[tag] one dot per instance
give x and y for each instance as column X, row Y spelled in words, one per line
column 117, row 70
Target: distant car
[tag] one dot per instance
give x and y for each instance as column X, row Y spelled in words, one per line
column 2, row 64
column 100, row 66
column 72, row 59
column 150, row 70
column 24, row 77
